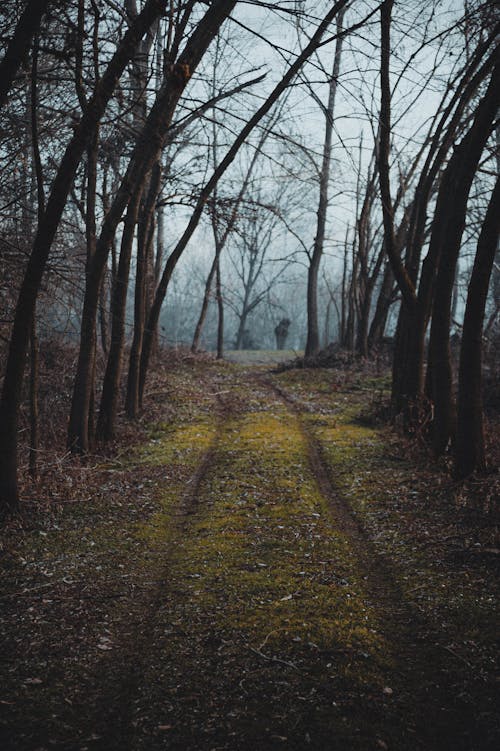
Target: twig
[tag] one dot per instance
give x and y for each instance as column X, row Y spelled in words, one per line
column 459, row 657
column 27, row 591
column 274, row 631
column 274, row 659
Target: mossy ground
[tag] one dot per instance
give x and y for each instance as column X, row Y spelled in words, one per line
column 204, row 595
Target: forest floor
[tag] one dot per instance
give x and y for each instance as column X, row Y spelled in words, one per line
column 267, row 568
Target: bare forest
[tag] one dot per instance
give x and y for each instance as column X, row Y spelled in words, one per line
column 249, row 373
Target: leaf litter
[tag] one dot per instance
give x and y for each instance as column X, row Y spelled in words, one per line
column 201, row 591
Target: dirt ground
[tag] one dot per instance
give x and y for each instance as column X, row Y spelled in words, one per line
column 261, row 356
column 267, row 569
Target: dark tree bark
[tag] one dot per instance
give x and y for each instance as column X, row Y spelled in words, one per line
column 19, row 45
column 350, row 325
column 206, row 299
column 47, row 227
column 452, row 209
column 34, row 410
column 365, row 305
column 144, row 251
column 312, row 341
column 220, row 310
column 40, row 204
column 344, row 292
column 469, row 448
column 409, row 359
column 386, row 296
column 112, row 376
column 366, row 278
column 103, row 313
column 146, row 153
column 384, row 301
column 404, row 281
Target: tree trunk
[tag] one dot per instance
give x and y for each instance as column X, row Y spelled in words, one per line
column 363, row 322
column 38, row 185
column 103, row 313
column 112, row 377
column 384, row 301
column 459, row 176
column 240, row 334
column 220, row 310
column 469, row 450
column 144, row 250
column 204, row 306
column 343, row 301
column 404, row 281
column 312, row 341
column 351, row 301
column 409, row 361
column 19, row 45
column 47, row 227
column 34, row 382
column 146, row 153
column 91, row 238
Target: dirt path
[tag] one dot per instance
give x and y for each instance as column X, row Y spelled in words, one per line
column 421, row 670
column 263, row 612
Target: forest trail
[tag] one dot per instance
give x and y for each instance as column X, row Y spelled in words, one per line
column 285, row 591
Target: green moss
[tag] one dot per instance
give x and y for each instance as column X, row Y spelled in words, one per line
column 168, row 445
column 250, row 571
column 266, row 562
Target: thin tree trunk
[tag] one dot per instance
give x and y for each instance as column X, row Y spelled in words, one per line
column 469, row 449
column 404, row 281
column 132, row 404
column 384, row 301
column 204, row 305
column 146, row 153
column 34, row 411
column 366, row 280
column 160, row 250
column 144, row 252
column 220, row 310
column 343, row 302
column 47, row 227
column 326, row 333
column 351, row 300
column 40, row 204
column 91, row 237
column 312, row 341
column 111, row 385
column 103, row 313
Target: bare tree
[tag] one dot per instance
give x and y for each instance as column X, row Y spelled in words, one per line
column 229, row 157
column 312, row 342
column 145, row 155
column 47, row 227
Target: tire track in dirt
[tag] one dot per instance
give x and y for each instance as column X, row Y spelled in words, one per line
column 421, row 676
column 422, row 657
column 113, row 724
